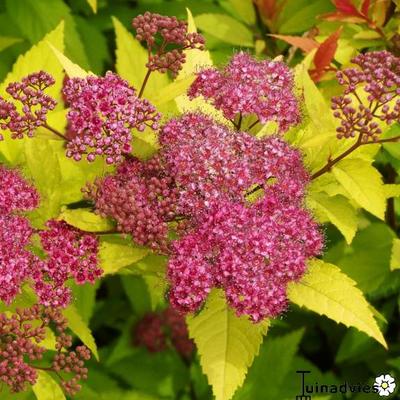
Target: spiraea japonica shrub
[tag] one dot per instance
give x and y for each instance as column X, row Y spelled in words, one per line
column 227, row 181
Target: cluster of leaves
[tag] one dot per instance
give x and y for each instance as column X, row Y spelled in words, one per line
column 355, row 199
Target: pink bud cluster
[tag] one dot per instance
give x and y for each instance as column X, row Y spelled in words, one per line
column 34, row 105
column 169, row 54
column 250, row 87
column 141, row 198
column 70, row 253
column 251, row 249
column 157, row 331
column 370, row 95
column 20, row 348
column 103, row 111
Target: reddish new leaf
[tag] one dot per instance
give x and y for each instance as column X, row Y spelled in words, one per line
column 268, row 8
column 326, row 51
column 324, row 55
column 365, row 7
column 346, row 7
column 303, row 43
column 339, row 16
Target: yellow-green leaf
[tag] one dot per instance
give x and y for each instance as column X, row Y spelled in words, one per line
column 395, row 257
column 46, row 388
column 72, row 70
column 363, row 184
column 116, row 253
column 174, row 89
column 391, row 190
column 86, row 220
column 337, row 210
column 226, row 344
column 80, row 328
column 245, row 10
column 225, row 28
column 131, row 62
column 326, row 290
column 45, row 172
column 195, row 59
column 93, row 5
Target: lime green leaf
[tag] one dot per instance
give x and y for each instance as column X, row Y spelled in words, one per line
column 46, row 388
column 86, row 220
column 6, row 42
column 328, row 291
column 395, row 258
column 49, row 341
column 363, row 184
column 46, row 175
column 116, row 253
column 263, row 381
column 225, row 28
column 80, row 328
column 131, row 62
column 174, row 89
column 71, row 69
column 244, row 10
column 391, row 190
column 227, row 344
column 93, row 5
column 195, row 59
column 337, row 210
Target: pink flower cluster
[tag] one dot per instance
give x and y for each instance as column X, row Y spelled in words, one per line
column 247, row 86
column 70, row 253
column 251, row 249
column 20, row 348
column 16, row 194
column 155, row 331
column 210, row 162
column 35, row 104
column 169, row 54
column 371, row 89
column 103, row 111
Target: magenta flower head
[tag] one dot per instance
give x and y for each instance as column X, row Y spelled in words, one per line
column 71, row 253
column 370, row 92
column 252, row 253
column 168, row 55
column 211, row 162
column 247, row 86
column 16, row 262
column 16, row 194
column 103, row 111
column 33, row 105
